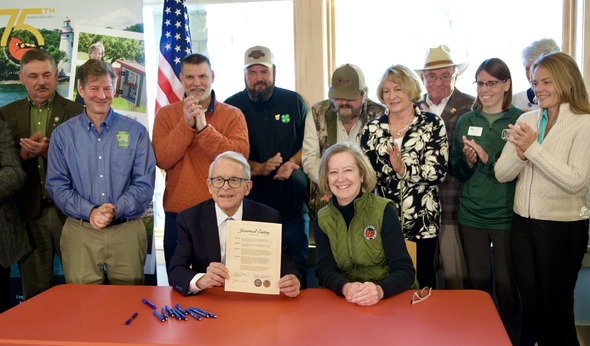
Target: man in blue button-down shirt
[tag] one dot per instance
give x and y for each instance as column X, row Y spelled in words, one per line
column 101, row 175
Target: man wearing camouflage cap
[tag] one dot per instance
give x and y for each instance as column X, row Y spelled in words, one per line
column 339, row 118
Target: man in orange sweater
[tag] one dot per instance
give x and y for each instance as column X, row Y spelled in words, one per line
column 187, row 136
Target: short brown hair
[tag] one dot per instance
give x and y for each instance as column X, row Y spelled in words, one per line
column 95, row 68
column 36, row 54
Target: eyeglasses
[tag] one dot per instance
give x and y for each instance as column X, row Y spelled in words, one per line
column 490, row 84
column 421, row 295
column 232, row 182
column 445, row 77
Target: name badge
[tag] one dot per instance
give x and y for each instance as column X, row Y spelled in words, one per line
column 475, row 131
column 122, row 139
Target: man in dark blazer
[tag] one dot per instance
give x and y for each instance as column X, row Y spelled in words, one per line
column 32, row 121
column 439, row 74
column 14, row 242
column 198, row 261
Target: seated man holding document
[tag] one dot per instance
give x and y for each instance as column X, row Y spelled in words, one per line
column 199, row 259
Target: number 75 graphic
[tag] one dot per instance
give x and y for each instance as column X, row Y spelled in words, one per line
column 16, row 21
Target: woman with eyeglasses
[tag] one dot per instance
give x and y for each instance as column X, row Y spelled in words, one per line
column 485, row 205
column 360, row 249
column 548, row 151
column 408, row 148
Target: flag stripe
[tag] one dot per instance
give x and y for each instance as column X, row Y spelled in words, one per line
column 175, row 44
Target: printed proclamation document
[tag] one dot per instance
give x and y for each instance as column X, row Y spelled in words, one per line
column 253, row 256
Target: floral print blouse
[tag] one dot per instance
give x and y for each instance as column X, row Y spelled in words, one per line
column 424, row 151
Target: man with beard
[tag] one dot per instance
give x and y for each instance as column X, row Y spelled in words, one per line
column 276, row 120
column 32, row 121
column 339, row 118
column 187, row 136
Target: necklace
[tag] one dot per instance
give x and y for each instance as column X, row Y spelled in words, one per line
column 399, row 132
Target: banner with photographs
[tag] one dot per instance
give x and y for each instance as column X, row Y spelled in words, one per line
column 67, row 29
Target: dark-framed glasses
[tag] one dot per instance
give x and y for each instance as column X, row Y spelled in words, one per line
column 232, row 182
column 421, row 295
column 490, row 84
column 445, row 77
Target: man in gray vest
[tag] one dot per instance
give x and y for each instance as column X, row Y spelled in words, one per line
column 339, row 118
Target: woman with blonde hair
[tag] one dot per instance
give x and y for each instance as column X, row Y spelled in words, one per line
column 360, row 248
column 547, row 150
column 408, row 148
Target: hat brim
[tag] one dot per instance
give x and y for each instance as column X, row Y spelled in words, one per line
column 269, row 65
column 460, row 67
column 343, row 93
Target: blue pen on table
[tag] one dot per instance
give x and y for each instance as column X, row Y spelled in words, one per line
column 155, row 312
column 197, row 317
column 131, row 318
column 179, row 308
column 209, row 314
column 179, row 314
column 164, row 314
column 146, row 302
column 198, row 311
column 170, row 314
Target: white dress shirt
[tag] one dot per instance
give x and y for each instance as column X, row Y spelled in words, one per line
column 221, row 227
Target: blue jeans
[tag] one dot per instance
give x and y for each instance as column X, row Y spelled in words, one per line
column 296, row 236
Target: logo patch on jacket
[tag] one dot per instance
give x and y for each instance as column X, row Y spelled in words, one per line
column 370, row 232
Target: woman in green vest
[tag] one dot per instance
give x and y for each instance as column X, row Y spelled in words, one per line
column 361, row 253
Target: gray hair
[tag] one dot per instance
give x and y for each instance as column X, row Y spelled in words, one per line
column 235, row 157
column 96, row 46
column 538, row 48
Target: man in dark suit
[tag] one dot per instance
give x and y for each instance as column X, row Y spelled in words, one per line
column 14, row 242
column 32, row 121
column 198, row 262
column 439, row 74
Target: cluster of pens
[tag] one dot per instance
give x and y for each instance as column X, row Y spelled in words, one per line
column 179, row 312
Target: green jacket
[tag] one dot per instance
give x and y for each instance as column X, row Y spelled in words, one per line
column 484, row 202
column 358, row 254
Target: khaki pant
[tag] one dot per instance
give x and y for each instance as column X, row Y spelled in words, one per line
column 120, row 250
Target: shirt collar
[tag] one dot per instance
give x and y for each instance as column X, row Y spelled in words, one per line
column 442, row 102
column 221, row 216
column 211, row 107
column 105, row 124
column 49, row 102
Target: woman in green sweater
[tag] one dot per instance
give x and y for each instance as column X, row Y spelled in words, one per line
column 485, row 205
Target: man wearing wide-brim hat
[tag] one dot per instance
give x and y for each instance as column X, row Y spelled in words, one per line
column 439, row 74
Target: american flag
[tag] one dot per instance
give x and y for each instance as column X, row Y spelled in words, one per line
column 175, row 44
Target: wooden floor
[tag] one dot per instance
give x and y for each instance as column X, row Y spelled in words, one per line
column 583, row 335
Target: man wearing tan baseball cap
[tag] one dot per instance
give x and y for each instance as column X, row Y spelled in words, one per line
column 276, row 119
column 339, row 118
column 439, row 74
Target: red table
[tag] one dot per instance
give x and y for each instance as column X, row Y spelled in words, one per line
column 96, row 315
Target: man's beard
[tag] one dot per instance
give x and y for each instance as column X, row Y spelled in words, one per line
column 345, row 118
column 260, row 96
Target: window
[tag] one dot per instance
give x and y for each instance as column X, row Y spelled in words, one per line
column 223, row 32
column 381, row 33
